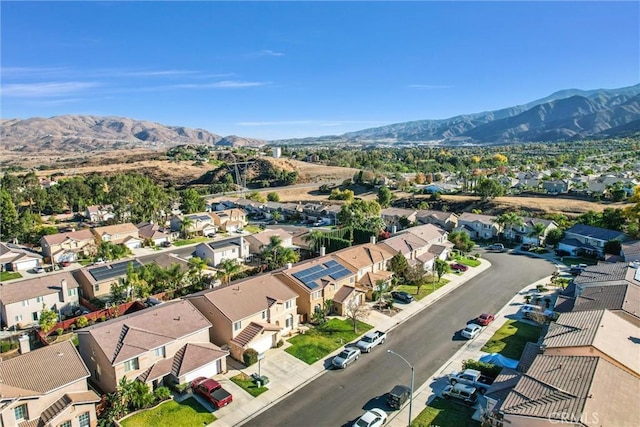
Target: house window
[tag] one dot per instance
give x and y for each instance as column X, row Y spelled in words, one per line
column 72, row 292
column 131, row 365
column 34, row 316
column 20, row 412
column 352, row 279
column 237, row 326
column 25, row 303
column 159, row 352
column 288, row 305
column 65, row 424
column 84, row 420
column 18, row 318
column 39, row 299
column 289, row 321
column 96, row 287
column 264, row 314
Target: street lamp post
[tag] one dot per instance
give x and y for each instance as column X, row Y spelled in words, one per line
column 412, row 377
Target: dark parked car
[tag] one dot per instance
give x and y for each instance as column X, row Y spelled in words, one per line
column 526, row 247
column 166, row 244
column 397, row 396
column 402, row 296
column 562, row 252
column 456, row 266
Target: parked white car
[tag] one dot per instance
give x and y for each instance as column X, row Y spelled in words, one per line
column 372, row 418
column 345, row 357
column 471, row 331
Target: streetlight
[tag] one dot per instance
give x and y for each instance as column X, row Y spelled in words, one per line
column 412, row 376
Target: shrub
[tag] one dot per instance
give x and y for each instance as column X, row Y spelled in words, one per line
column 103, row 318
column 487, row 369
column 81, row 322
column 180, row 388
column 280, row 343
column 250, row 357
column 59, row 331
column 162, row 393
column 7, row 345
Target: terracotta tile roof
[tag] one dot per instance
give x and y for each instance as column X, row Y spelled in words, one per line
column 244, row 298
column 80, row 235
column 251, row 331
column 399, row 212
column 131, row 335
column 576, row 385
column 38, row 286
column 616, row 297
column 126, row 228
column 42, row 371
column 369, row 279
column 471, row 217
column 10, row 252
column 195, row 355
column 603, row 272
column 264, row 237
column 344, row 293
column 57, row 407
column 427, row 232
column 404, row 243
column 364, row 255
column 600, row 329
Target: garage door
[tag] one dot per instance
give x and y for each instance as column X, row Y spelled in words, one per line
column 206, row 371
column 26, row 265
column 262, row 344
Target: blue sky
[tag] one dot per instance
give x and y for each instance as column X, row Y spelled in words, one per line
column 293, row 69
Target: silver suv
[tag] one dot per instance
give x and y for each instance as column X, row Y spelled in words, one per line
column 461, row 392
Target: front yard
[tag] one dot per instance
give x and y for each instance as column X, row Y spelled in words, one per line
column 246, row 383
column 172, row 414
column 569, row 261
column 425, row 290
column 511, row 338
column 443, row 413
column 316, row 343
column 9, row 275
column 191, row 241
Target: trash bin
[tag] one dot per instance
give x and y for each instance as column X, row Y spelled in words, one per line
column 264, row 380
column 259, row 383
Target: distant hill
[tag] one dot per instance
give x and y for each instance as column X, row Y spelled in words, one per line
column 78, row 133
column 565, row 115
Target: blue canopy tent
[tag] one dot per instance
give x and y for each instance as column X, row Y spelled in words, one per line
column 499, row 360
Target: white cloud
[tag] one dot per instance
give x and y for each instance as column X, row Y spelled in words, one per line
column 224, row 84
column 420, row 86
column 263, row 53
column 11, row 72
column 46, row 89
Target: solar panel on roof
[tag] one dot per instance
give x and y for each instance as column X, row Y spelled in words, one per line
column 331, row 263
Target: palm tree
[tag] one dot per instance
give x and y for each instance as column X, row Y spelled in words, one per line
column 185, row 225
column 175, row 276
column 315, row 237
column 537, row 231
column 226, row 269
column 277, row 256
column 196, row 265
column 509, row 219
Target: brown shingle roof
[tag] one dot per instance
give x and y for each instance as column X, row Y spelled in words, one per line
column 251, row 331
column 343, row 293
column 364, row 255
column 404, row 243
column 471, row 217
column 41, row 371
column 125, row 228
column 264, row 237
column 369, row 279
column 247, row 297
column 129, row 336
column 38, row 286
column 80, row 235
column 57, row 407
column 427, row 232
column 195, row 355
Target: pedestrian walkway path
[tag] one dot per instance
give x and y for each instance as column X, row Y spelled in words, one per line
column 287, row 373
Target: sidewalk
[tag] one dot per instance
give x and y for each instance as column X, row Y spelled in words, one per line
column 426, row 392
column 287, row 373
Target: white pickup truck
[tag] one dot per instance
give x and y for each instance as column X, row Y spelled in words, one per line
column 371, row 340
column 470, row 377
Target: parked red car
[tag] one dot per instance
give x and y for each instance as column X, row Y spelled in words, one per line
column 484, row 319
column 459, row 267
column 212, row 391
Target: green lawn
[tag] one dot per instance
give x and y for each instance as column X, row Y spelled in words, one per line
column 443, row 413
column 316, row 343
column 9, row 275
column 471, row 262
column 172, row 414
column 191, row 241
column 578, row 260
column 511, row 338
column 245, row 382
column 425, row 290
column 252, row 229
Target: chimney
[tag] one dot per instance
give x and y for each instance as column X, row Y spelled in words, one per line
column 65, row 290
column 289, row 265
column 25, row 346
column 372, row 240
column 323, row 251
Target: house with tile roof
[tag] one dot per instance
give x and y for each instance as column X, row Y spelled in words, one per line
column 99, row 213
column 18, row 258
column 120, row 234
column 158, row 345
column 521, row 233
column 606, row 274
column 250, row 313
column 317, row 281
column 214, row 252
column 96, row 280
column 153, row 233
column 622, row 300
column 563, row 390
column 21, row 301
column 230, row 220
column 478, row 226
column 421, row 245
column 396, row 217
column 202, row 224
column 259, row 241
column 68, row 246
column 594, row 333
column 371, row 263
column 445, row 220
column 46, row 387
column 585, row 239
column 630, row 251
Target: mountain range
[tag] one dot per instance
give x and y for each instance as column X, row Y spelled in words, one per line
column 566, row 115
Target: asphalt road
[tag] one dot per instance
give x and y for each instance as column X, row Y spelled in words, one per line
column 427, row 340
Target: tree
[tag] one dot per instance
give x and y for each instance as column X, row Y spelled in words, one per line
column 399, row 265
column 191, row 201
column 256, row 197
column 185, row 225
column 613, row 219
column 537, row 231
column 8, row 216
column 196, row 266
column 461, row 241
column 48, row 319
column 384, row 196
column 273, row 197
column 357, row 310
column 226, row 269
column 140, row 395
column 508, row 220
column 415, row 276
column 489, row 188
column 441, row 268
column 554, row 236
column 276, row 256
column 315, row 238
column 135, row 284
column 612, row 247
